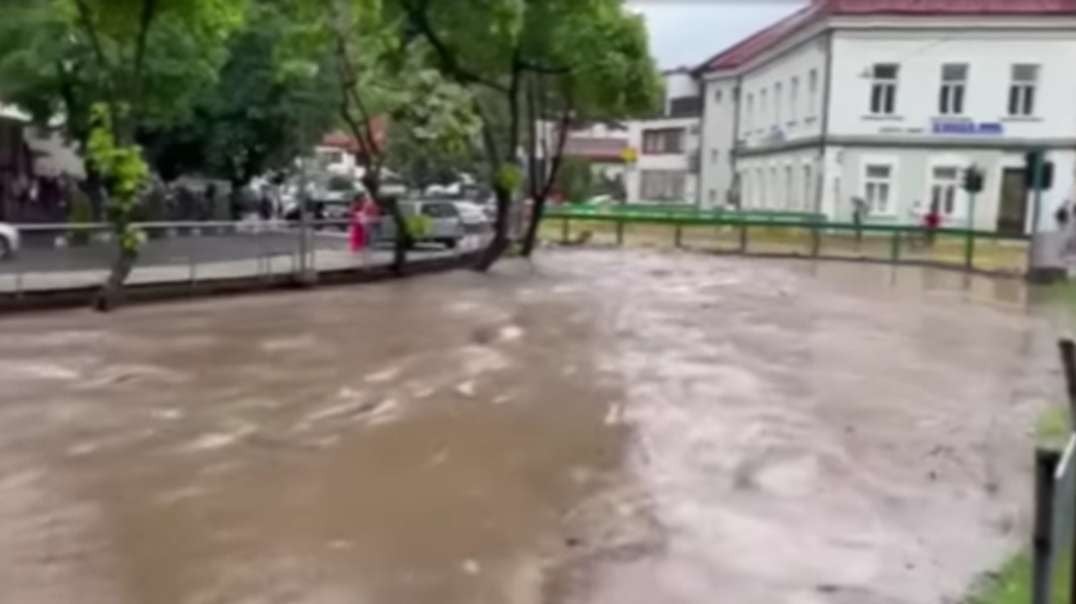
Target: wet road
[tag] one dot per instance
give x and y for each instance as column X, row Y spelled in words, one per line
column 604, row 426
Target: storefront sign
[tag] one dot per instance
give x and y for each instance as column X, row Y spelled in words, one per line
column 967, row 127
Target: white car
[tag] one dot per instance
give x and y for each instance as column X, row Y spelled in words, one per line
column 472, row 214
column 9, row 241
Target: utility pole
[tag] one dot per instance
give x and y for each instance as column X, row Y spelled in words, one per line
column 1037, row 166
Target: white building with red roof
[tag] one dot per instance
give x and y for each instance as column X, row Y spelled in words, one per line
column 889, row 101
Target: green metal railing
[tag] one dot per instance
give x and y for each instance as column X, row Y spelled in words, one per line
column 794, row 234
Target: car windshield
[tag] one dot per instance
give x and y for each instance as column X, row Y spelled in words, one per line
column 339, row 183
column 440, row 210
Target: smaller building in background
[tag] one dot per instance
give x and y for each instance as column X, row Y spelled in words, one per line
column 655, row 159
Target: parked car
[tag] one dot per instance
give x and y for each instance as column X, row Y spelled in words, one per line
column 473, row 216
column 9, row 241
column 430, row 220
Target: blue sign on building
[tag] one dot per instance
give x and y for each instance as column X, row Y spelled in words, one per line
column 968, row 127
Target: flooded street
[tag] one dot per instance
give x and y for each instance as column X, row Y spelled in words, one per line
column 601, row 426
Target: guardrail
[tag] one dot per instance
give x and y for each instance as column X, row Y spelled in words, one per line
column 802, row 236
column 77, row 257
column 1054, row 527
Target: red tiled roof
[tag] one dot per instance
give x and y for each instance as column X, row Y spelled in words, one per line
column 759, row 42
column 343, row 140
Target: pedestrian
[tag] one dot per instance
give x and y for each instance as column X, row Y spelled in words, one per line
column 931, row 222
column 357, row 230
column 859, row 212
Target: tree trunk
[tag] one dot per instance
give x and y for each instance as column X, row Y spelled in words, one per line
column 403, row 240
column 499, row 244
column 111, row 293
column 529, row 238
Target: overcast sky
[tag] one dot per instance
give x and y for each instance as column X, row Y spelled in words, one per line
column 687, row 32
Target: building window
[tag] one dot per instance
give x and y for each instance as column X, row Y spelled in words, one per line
column 878, row 188
column 714, row 155
column 760, row 178
column 793, row 98
column 748, row 190
column 669, row 140
column 790, row 191
column 808, row 187
column 663, row 185
column 944, row 187
column 763, row 110
column 717, row 95
column 749, row 113
column 685, row 106
column 951, row 97
column 812, row 93
column 777, row 101
column 884, row 89
column 775, row 199
column 713, row 196
column 1022, row 91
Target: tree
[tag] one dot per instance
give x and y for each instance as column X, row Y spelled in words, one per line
column 377, row 77
column 560, row 58
column 115, row 65
column 259, row 114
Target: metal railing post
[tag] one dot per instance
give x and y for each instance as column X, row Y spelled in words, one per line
column 192, row 270
column 969, row 249
column 894, row 247
column 816, row 241
column 619, row 231
column 743, row 237
column 678, row 236
column 564, row 230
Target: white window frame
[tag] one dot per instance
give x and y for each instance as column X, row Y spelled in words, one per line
column 778, row 91
column 808, row 186
column 775, row 199
column 793, row 99
column 714, row 156
column 763, row 109
column 749, row 112
column 960, row 197
column 884, row 90
column 952, row 95
column 865, row 188
column 812, row 93
column 760, row 179
column 1023, row 91
column 790, row 188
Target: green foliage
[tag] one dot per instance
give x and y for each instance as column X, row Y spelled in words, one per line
column 575, row 180
column 419, row 225
column 261, row 111
column 509, row 177
column 125, row 172
column 60, row 57
column 1012, row 583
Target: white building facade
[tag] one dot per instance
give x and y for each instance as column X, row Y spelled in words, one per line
column 657, row 158
column 890, row 101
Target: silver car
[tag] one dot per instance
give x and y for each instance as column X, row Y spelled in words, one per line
column 440, row 222
column 9, row 241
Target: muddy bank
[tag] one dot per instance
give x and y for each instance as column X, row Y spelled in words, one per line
column 602, row 426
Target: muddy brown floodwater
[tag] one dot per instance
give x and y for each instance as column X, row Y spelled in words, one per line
column 603, row 426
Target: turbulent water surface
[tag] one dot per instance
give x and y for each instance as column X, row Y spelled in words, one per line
column 601, row 426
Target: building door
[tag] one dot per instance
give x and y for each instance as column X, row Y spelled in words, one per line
column 1012, row 212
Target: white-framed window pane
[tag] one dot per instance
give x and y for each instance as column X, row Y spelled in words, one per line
column 808, row 187
column 1025, row 73
column 878, row 171
column 778, row 99
column 812, row 92
column 954, row 72
column 883, row 98
column 877, row 188
column 793, row 98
